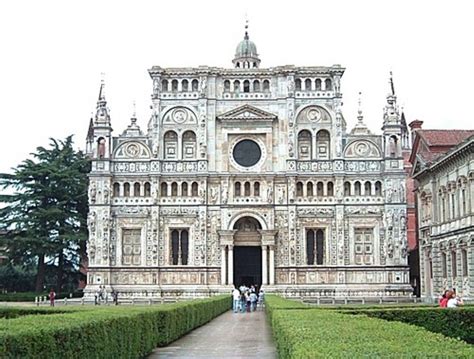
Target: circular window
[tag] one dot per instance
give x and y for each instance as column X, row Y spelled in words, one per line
column 247, row 153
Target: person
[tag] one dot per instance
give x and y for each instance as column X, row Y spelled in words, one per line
column 261, row 298
column 115, row 296
column 52, row 296
column 247, row 300
column 253, row 301
column 243, row 301
column 443, row 301
column 235, row 299
column 453, row 300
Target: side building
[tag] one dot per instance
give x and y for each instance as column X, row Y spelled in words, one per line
column 248, row 175
column 443, row 170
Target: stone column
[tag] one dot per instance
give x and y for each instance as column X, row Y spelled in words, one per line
column 226, row 238
column 272, row 265
column 230, row 268
column 268, row 264
column 264, row 265
column 223, row 265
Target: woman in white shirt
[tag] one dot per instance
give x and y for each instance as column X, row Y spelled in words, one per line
column 453, row 301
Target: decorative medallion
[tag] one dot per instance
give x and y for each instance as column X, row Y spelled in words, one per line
column 132, row 150
column 314, row 114
column 180, row 115
column 362, row 149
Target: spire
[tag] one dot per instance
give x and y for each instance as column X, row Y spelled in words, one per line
column 90, row 131
column 360, row 128
column 133, row 129
column 102, row 112
column 392, row 86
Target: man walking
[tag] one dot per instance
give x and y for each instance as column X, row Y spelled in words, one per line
column 235, row 299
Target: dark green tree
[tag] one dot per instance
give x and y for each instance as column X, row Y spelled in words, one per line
column 45, row 216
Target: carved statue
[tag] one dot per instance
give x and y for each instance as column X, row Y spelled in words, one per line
column 92, row 192
column 101, row 149
column 270, row 193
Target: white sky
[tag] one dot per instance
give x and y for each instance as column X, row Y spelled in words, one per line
column 53, row 52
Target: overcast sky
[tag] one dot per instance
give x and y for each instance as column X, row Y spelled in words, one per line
column 53, row 53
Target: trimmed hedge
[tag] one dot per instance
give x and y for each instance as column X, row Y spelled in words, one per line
column 322, row 333
column 455, row 323
column 110, row 332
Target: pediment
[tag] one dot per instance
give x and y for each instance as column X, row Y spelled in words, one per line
column 246, row 113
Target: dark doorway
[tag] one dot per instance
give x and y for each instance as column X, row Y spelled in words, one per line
column 247, row 266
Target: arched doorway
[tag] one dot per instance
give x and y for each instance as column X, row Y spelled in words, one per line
column 247, row 252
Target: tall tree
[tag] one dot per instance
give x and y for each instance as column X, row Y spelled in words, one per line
column 46, row 213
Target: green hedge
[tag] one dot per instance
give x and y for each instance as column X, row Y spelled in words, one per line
column 322, row 333
column 105, row 332
column 456, row 323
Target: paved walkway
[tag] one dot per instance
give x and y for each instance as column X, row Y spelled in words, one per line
column 241, row 335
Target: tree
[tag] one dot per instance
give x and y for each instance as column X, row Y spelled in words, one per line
column 46, row 215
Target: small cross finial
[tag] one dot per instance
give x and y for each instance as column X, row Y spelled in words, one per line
column 392, row 86
column 246, row 27
column 134, row 114
column 359, row 111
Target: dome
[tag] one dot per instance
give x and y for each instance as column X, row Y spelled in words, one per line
column 246, row 54
column 246, row 48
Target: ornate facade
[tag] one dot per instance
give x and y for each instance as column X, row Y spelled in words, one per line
column 443, row 168
column 248, row 175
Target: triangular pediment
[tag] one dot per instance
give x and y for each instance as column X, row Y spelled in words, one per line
column 247, row 112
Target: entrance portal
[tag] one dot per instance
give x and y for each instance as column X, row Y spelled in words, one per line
column 247, row 266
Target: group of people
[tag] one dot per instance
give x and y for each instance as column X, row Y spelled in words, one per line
column 246, row 299
column 449, row 299
column 101, row 296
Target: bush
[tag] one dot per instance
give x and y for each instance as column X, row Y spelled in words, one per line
column 321, row 333
column 106, row 332
column 456, row 323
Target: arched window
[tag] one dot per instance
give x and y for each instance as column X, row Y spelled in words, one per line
column 318, row 84
column 171, row 145
column 307, row 85
column 266, row 86
column 320, row 189
column 378, row 188
column 189, row 145
column 174, row 85
column 246, row 86
column 236, row 86
column 256, row 189
column 323, row 142
column 444, row 266
column 393, row 146
column 310, row 247
column 184, row 189
column 256, row 86
column 164, row 85
column 194, row 189
column 226, row 85
column 304, row 145
column 116, row 189
column 464, row 263
column 247, row 189
column 357, row 188
column 298, row 84
column 237, row 189
column 319, row 247
column 126, row 189
column 101, row 147
column 330, row 189
column 347, row 189
column 368, row 188
column 185, row 85
column 164, row 189
column 194, row 85
column 136, row 189
column 174, row 189
column 299, row 189
column 309, row 189
column 328, row 84
column 147, row 189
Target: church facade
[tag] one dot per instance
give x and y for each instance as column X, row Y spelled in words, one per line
column 248, row 175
